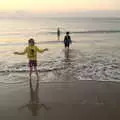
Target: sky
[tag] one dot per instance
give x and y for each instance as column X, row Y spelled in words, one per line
column 57, row 6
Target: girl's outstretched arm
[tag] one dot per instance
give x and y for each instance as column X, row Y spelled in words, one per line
column 42, row 50
column 21, row 53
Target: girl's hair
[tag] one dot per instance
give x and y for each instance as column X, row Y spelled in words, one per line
column 31, row 40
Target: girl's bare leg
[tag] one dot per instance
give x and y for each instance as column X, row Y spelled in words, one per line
column 36, row 71
column 31, row 70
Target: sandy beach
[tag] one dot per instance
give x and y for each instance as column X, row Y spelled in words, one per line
column 59, row 100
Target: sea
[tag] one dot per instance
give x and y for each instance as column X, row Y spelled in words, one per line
column 94, row 53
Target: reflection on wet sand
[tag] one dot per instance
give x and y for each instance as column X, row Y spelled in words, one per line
column 67, row 53
column 34, row 104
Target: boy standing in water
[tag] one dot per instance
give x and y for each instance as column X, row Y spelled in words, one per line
column 31, row 51
column 67, row 40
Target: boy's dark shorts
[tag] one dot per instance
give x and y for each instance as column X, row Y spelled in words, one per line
column 32, row 63
column 66, row 44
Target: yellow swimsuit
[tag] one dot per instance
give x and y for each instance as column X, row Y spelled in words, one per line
column 32, row 52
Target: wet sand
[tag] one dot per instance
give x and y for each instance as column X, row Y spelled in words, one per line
column 60, row 100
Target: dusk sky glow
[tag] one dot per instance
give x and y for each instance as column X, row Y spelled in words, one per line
column 58, row 6
column 42, row 6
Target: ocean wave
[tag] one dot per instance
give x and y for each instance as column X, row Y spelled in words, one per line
column 80, row 66
column 97, row 31
column 80, row 32
column 26, row 70
column 55, row 33
column 90, row 31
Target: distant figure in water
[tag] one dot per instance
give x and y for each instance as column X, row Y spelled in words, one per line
column 67, row 42
column 58, row 33
column 34, row 104
column 31, row 51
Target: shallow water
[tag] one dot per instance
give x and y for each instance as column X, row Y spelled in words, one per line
column 99, row 62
